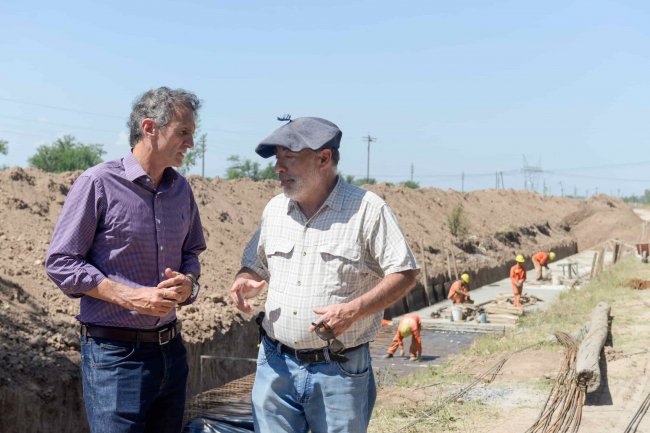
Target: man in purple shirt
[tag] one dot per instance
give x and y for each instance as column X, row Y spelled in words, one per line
column 127, row 243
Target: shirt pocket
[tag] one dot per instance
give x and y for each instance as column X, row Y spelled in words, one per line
column 341, row 264
column 278, row 257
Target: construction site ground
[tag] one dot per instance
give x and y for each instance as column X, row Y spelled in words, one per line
column 512, row 402
column 40, row 384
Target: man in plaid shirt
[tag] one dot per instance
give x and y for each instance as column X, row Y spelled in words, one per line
column 335, row 257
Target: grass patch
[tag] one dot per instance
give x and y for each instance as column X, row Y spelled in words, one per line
column 466, row 417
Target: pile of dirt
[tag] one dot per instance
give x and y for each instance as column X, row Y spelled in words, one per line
column 37, row 329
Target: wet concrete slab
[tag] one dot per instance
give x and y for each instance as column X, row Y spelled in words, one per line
column 436, row 348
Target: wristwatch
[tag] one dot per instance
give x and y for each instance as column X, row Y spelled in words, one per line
column 195, row 286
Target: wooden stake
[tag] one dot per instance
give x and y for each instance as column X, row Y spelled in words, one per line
column 455, row 267
column 593, row 266
column 451, row 278
column 425, row 281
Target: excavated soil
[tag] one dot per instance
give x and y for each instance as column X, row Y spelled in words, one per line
column 39, row 360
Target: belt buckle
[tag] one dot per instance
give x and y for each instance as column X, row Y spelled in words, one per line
column 171, row 330
column 300, row 353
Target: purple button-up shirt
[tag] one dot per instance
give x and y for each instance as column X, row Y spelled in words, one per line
column 115, row 225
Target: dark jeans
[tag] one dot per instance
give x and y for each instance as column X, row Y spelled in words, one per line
column 134, row 389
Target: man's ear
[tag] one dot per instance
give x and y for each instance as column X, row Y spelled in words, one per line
column 149, row 127
column 325, row 157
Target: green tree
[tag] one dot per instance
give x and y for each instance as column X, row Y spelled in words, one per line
column 411, row 184
column 65, row 154
column 364, row 181
column 269, row 172
column 247, row 168
column 4, row 150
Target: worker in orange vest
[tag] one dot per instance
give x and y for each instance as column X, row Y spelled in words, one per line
column 518, row 276
column 541, row 259
column 410, row 324
column 459, row 292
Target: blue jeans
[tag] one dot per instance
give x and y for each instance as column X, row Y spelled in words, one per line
column 134, row 389
column 294, row 396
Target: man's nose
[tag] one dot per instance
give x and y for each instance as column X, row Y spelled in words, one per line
column 279, row 168
column 190, row 142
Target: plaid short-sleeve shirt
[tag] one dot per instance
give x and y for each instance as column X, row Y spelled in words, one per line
column 341, row 253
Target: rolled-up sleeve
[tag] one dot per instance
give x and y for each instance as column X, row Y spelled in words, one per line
column 387, row 244
column 73, row 237
column 254, row 257
column 193, row 245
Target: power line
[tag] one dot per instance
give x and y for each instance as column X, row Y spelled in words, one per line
column 61, row 108
column 58, row 124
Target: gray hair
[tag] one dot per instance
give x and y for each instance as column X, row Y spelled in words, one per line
column 158, row 105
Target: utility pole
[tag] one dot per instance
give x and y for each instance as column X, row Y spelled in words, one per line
column 503, row 185
column 596, row 193
column 369, row 139
column 462, row 182
column 544, row 186
column 619, row 193
column 561, row 188
column 587, row 194
column 497, row 180
column 411, row 172
column 575, row 191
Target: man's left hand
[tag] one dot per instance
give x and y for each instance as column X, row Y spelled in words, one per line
column 177, row 282
column 339, row 317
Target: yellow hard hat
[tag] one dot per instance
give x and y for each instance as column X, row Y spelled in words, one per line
column 551, row 256
column 520, row 258
column 405, row 330
column 465, row 278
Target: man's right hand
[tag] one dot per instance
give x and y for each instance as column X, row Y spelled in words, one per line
column 241, row 288
column 153, row 301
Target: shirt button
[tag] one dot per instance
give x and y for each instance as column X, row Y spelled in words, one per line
column 148, row 180
column 162, row 274
column 295, row 341
column 158, row 221
column 298, row 282
column 304, row 253
column 161, row 248
column 295, row 312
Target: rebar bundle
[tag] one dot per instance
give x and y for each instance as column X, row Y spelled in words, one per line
column 562, row 411
column 638, row 416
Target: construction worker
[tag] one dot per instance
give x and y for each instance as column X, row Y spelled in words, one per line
column 459, row 292
column 409, row 325
column 541, row 259
column 518, row 276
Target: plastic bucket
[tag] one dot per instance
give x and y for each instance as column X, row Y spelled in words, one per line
column 457, row 313
column 556, row 280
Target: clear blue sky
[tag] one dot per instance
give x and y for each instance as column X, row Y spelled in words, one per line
column 449, row 87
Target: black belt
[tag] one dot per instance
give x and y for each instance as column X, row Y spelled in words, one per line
column 161, row 336
column 313, row 355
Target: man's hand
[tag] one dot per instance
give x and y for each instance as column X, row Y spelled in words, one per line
column 178, row 283
column 242, row 289
column 153, row 301
column 401, row 351
column 339, row 317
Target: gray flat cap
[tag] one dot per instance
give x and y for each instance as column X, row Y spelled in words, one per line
column 303, row 133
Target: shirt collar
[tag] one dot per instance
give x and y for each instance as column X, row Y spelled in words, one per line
column 134, row 170
column 334, row 200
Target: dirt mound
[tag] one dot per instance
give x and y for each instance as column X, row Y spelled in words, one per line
column 37, row 327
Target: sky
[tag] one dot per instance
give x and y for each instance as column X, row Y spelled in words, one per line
column 446, row 87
